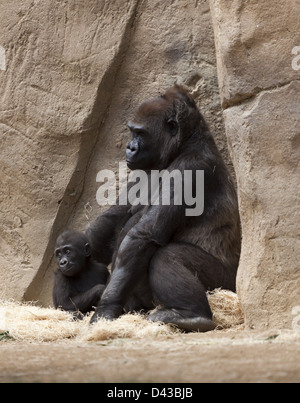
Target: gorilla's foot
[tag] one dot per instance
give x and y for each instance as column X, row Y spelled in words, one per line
column 183, row 321
column 98, row 315
column 108, row 313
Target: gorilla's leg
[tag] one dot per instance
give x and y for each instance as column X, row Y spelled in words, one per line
column 141, row 299
column 180, row 274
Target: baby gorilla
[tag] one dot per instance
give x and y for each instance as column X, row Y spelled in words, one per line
column 79, row 280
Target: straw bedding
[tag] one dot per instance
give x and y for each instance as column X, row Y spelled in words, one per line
column 27, row 322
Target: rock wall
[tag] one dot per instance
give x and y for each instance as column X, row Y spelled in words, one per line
column 74, row 72
column 61, row 62
column 71, row 72
column 260, row 93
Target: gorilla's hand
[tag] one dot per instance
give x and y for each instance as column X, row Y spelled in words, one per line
column 107, row 312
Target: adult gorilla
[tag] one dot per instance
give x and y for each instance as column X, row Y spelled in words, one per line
column 162, row 257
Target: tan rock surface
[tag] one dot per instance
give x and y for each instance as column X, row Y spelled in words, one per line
column 260, row 93
column 75, row 72
column 213, row 357
column 265, row 142
column 61, row 64
column 254, row 41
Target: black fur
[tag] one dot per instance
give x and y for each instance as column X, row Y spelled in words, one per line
column 162, row 258
column 79, row 281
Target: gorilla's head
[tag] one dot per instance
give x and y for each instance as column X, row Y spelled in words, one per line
column 160, row 129
column 71, row 251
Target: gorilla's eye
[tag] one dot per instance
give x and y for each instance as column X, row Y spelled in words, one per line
column 172, row 127
column 67, row 251
column 140, row 133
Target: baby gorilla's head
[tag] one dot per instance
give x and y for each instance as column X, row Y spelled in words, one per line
column 72, row 249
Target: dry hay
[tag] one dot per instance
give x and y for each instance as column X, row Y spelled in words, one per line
column 26, row 322
column 127, row 326
column 32, row 323
column 226, row 309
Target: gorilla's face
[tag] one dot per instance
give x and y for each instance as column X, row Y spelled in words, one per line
column 71, row 252
column 154, row 133
column 141, row 151
column 160, row 129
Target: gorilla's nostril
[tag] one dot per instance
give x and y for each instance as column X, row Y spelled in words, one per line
column 132, row 147
column 63, row 262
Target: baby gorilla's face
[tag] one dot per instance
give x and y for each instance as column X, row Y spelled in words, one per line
column 71, row 252
column 69, row 260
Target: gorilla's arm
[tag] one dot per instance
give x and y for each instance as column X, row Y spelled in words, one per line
column 83, row 302
column 103, row 231
column 64, row 297
column 154, row 230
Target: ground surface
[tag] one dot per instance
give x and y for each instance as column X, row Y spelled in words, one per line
column 232, row 356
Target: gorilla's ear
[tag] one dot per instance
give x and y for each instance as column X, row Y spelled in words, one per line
column 187, row 114
column 87, row 250
column 185, row 97
column 173, row 126
column 181, row 110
